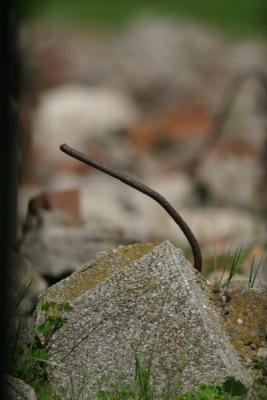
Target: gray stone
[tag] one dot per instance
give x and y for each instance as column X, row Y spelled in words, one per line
column 244, row 175
column 16, row 389
column 24, row 275
column 94, row 113
column 124, row 303
column 56, row 247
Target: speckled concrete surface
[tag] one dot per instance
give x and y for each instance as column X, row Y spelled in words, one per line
column 155, row 305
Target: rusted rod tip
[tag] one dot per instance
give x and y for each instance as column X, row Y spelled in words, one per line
column 134, row 183
column 63, row 147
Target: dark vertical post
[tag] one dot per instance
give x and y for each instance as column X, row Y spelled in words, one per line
column 8, row 158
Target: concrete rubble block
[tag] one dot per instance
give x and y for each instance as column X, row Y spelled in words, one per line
column 16, row 389
column 168, row 46
column 138, row 299
column 244, row 174
column 56, row 246
column 93, row 114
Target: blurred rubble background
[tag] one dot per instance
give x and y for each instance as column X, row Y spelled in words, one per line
column 144, row 88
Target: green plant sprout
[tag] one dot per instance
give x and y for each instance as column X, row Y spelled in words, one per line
column 253, row 272
column 142, row 389
column 234, row 265
column 28, row 362
column 53, row 317
column 233, row 262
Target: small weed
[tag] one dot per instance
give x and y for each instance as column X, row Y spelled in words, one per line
column 142, row 379
column 210, row 392
column 27, row 361
column 142, row 389
column 253, row 272
column 53, row 319
column 233, row 262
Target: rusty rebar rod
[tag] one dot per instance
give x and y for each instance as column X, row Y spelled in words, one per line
column 132, row 182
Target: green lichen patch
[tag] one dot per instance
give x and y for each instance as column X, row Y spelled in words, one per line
column 50, row 315
column 96, row 272
column 136, row 251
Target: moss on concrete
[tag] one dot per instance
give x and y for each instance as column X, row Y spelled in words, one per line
column 244, row 312
column 96, row 272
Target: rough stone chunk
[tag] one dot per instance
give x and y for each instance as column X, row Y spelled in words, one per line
column 154, row 305
column 16, row 389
